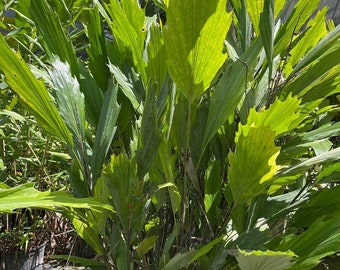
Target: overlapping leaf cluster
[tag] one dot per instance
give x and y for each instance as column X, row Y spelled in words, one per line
column 212, row 133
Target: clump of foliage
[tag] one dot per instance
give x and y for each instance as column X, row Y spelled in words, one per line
column 205, row 138
column 27, row 155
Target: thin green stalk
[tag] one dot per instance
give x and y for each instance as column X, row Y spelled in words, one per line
column 226, row 220
column 186, row 156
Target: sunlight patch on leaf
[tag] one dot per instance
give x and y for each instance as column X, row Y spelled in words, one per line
column 255, row 8
column 316, row 30
column 32, row 92
column 252, row 164
column 128, row 27
column 25, row 196
column 69, row 98
column 265, row 260
column 194, row 43
column 281, row 116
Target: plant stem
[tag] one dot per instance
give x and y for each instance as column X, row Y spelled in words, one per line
column 185, row 157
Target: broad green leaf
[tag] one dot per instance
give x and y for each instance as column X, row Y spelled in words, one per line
column 229, row 91
column 79, row 176
column 205, row 249
column 167, row 164
column 250, row 239
column 243, row 23
column 323, row 204
column 265, row 260
column 32, row 92
column 323, row 132
column 102, row 195
column 77, row 7
column 2, row 166
column 146, row 245
column 97, row 48
column 281, row 116
column 278, row 7
column 156, row 66
column 180, row 260
column 328, row 174
column 53, row 37
column 92, row 93
column 128, row 26
column 279, row 206
column 316, row 30
column 252, row 165
column 239, row 216
column 86, row 231
column 126, row 193
column 212, row 192
column 267, row 33
column 71, row 106
column 319, row 80
column 125, row 85
column 169, row 243
column 91, row 263
column 301, row 12
column 325, row 46
column 314, row 85
column 70, row 100
column 150, row 138
column 321, row 239
column 105, row 130
column 26, row 196
column 319, row 147
column 255, row 8
column 15, row 116
column 61, row 8
column 328, row 156
column 194, row 43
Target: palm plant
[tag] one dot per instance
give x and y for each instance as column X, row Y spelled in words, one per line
column 209, row 138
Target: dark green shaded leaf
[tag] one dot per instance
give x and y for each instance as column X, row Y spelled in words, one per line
column 145, row 246
column 323, row 204
column 322, row 238
column 125, row 85
column 267, row 33
column 150, row 136
column 229, row 91
column 329, row 156
column 105, row 130
column 53, row 37
column 127, row 25
column 97, row 48
column 181, row 260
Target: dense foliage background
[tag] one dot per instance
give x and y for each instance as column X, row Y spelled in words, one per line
column 173, row 134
